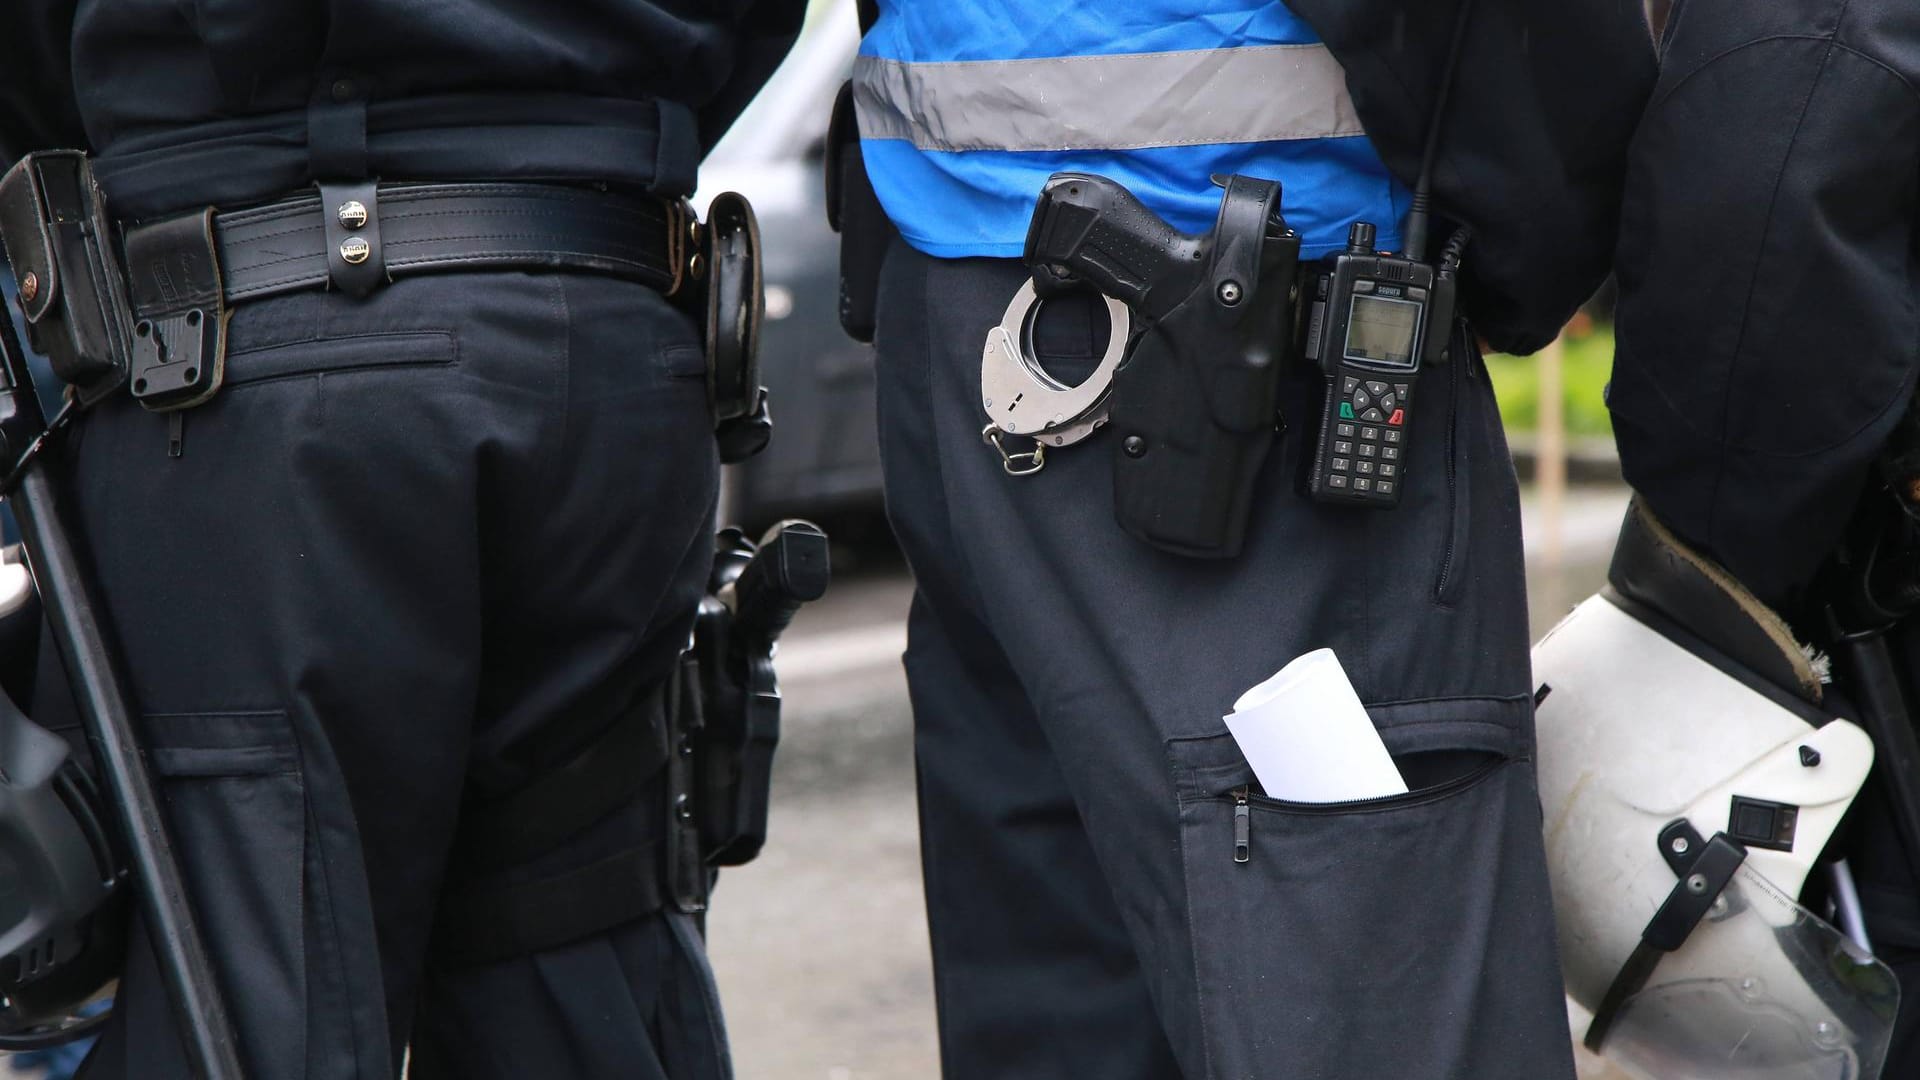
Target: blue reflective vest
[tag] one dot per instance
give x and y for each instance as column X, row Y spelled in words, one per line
column 967, row 106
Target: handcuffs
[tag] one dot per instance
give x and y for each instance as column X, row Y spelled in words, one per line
column 1020, row 398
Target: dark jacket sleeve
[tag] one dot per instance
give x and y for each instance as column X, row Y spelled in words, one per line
column 1769, row 317
column 1533, row 150
column 37, row 108
column 767, row 32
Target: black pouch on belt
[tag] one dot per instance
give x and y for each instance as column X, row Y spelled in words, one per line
column 854, row 211
column 53, row 222
column 722, row 286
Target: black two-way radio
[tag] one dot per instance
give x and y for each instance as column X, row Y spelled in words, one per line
column 1376, row 320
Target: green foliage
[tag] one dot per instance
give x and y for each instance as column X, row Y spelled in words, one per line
column 1584, row 371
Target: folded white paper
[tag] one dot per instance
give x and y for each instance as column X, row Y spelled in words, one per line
column 1308, row 737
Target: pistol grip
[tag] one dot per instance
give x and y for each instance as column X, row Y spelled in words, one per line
column 1094, row 229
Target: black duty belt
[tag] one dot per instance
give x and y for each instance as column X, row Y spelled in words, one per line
column 184, row 273
column 297, row 243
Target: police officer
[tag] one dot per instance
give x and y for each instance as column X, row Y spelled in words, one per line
column 421, row 559
column 1767, row 327
column 1105, row 897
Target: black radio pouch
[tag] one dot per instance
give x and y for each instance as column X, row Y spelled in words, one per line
column 53, row 223
column 854, row 211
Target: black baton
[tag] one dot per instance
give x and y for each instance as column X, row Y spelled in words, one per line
column 77, row 620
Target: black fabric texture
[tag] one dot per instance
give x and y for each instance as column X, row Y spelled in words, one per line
column 1769, row 313
column 430, row 543
column 37, row 106
column 629, row 91
column 1068, row 684
column 1533, row 149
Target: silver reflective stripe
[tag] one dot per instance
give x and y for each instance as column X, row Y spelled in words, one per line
column 1260, row 93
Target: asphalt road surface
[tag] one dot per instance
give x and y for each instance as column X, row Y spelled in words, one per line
column 820, row 945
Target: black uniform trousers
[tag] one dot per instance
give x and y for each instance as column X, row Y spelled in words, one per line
column 1088, row 916
column 419, row 543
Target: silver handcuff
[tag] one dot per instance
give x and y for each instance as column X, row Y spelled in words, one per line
column 1022, row 399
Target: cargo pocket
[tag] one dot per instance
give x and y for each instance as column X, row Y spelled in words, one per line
column 1406, row 937
column 236, row 802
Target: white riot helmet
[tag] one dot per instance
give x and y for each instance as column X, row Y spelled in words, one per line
column 1690, row 779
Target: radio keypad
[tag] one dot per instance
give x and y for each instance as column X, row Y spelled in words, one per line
column 1363, row 459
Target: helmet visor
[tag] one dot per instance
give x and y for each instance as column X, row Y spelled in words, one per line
column 1762, row 990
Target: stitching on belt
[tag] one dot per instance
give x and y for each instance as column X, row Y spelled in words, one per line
column 241, row 294
column 492, row 255
column 501, row 236
column 252, row 237
column 614, row 214
column 311, row 256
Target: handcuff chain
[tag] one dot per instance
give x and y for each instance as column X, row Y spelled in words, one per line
column 1025, row 464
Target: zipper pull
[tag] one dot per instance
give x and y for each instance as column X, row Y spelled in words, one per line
column 1242, row 826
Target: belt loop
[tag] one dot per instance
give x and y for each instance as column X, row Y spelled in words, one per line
column 676, row 149
column 337, row 128
column 349, row 198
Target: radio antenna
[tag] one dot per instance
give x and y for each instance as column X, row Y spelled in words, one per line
column 1417, row 216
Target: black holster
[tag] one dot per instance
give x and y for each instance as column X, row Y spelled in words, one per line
column 1195, row 403
column 725, row 715
column 689, row 764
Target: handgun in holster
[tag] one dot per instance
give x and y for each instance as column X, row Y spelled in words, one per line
column 1195, row 404
column 724, row 705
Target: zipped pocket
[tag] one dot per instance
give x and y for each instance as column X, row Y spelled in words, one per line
column 1348, row 947
column 1447, row 584
column 1245, row 800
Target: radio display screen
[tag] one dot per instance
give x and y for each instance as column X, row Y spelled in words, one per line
column 1382, row 330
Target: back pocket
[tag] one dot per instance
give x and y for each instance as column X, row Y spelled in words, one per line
column 236, row 803
column 342, row 353
column 1406, row 937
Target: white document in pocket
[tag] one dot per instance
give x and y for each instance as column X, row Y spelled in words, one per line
column 1308, row 737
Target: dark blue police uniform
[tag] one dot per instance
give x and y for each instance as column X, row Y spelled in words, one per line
column 1105, row 897
column 422, row 546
